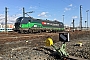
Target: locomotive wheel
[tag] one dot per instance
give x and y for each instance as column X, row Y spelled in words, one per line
column 39, row 31
column 25, row 31
column 30, row 31
column 21, row 31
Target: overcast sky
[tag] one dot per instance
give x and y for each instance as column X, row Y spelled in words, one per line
column 46, row 9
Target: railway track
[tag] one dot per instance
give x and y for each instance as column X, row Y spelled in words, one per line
column 12, row 36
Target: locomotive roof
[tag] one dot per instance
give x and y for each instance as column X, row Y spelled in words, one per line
column 39, row 19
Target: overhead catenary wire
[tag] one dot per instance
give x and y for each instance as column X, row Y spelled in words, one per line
column 83, row 9
column 69, row 13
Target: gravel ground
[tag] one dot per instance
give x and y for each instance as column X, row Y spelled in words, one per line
column 35, row 49
column 24, row 51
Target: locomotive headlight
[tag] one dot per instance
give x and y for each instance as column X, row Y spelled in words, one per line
column 20, row 25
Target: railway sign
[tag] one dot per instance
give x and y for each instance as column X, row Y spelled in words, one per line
column 64, row 37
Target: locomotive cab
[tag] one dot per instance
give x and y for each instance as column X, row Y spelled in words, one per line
column 17, row 24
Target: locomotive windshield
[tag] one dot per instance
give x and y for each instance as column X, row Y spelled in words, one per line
column 18, row 20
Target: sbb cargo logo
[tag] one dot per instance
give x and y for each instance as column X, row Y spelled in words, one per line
column 53, row 24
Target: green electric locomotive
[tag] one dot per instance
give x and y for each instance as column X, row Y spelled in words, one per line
column 30, row 25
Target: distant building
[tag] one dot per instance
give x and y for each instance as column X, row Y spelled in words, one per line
column 8, row 26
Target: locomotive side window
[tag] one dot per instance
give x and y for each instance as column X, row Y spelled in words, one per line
column 24, row 21
column 29, row 20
